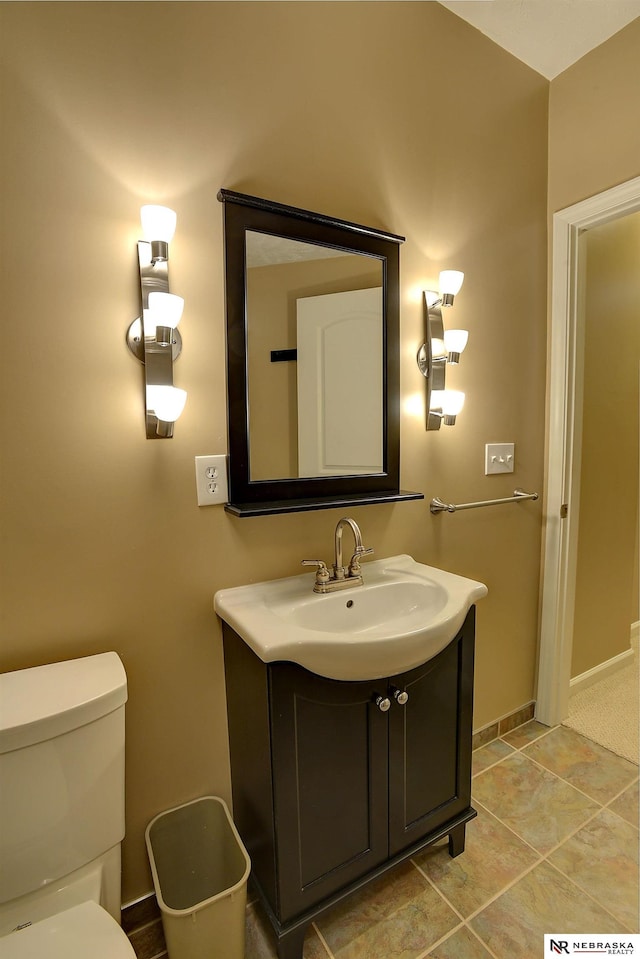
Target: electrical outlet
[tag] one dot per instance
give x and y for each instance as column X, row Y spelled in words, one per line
column 211, row 479
column 499, row 458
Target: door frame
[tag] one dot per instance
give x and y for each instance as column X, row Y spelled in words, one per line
column 565, row 379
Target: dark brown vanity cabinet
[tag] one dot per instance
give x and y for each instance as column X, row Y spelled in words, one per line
column 335, row 781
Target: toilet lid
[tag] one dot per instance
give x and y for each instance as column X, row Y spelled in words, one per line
column 84, row 930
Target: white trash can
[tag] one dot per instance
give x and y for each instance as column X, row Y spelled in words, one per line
column 200, row 871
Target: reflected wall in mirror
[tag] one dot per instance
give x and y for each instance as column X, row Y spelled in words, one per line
column 312, row 359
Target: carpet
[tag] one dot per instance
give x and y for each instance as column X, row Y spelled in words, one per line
column 607, row 712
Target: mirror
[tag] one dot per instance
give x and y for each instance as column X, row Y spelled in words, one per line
column 312, row 359
column 313, row 320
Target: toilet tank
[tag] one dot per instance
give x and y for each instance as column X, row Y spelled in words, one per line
column 61, row 769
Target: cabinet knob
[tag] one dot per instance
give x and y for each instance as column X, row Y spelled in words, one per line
column 383, row 703
column 401, row 696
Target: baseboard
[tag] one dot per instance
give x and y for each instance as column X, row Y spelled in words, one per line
column 139, row 901
column 503, row 725
column 596, row 673
column 139, row 912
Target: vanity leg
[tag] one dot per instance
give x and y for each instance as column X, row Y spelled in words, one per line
column 456, row 840
column 290, row 946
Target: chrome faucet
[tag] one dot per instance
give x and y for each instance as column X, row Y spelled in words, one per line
column 340, row 577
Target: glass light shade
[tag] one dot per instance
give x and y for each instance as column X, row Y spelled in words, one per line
column 165, row 309
column 455, row 342
column 452, row 402
column 436, row 399
column 431, row 297
column 158, row 223
column 450, row 281
column 167, row 402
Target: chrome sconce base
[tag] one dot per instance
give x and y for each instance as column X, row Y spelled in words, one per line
column 157, row 347
column 135, row 341
column 152, row 353
column 439, row 348
column 432, row 364
column 163, row 430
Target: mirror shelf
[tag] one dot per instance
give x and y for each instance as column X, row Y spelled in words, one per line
column 333, row 501
column 312, row 308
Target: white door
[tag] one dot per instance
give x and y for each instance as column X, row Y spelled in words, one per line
column 563, row 487
column 340, row 383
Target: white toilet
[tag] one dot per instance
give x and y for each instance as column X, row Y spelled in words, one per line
column 62, row 810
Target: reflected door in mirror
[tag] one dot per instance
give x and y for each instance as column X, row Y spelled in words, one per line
column 340, row 383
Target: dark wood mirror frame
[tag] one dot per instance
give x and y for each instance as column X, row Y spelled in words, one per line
column 255, row 498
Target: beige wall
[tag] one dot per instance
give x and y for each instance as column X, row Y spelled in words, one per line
column 635, row 583
column 594, row 143
column 397, row 115
column 607, row 539
column 594, row 134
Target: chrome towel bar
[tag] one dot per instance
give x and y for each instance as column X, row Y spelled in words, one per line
column 437, row 506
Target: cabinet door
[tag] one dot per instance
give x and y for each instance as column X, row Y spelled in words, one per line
column 329, row 743
column 430, row 743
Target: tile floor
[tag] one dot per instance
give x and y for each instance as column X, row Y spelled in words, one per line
column 554, row 849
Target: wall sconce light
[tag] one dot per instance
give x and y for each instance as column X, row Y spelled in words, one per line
column 446, row 404
column 439, row 348
column 158, row 226
column 154, row 338
column 450, row 282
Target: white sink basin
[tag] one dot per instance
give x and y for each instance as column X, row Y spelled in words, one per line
column 403, row 615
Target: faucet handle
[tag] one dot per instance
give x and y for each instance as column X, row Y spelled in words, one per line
column 322, row 575
column 354, row 563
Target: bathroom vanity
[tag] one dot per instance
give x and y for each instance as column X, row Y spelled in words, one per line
column 349, row 725
column 335, row 781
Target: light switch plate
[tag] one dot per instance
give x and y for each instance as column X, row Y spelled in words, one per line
column 499, row 458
